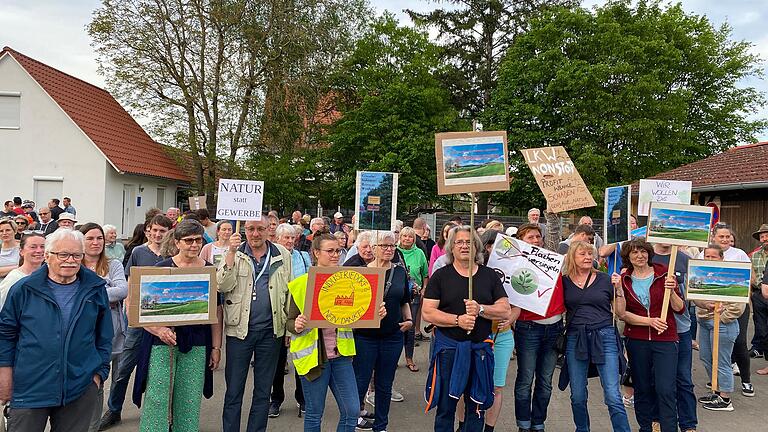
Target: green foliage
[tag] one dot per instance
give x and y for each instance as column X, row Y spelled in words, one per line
column 628, row 91
column 524, row 282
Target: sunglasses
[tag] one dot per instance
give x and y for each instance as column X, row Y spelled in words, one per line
column 190, row 241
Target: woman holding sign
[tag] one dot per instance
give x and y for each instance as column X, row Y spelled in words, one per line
column 651, row 341
column 323, row 357
column 720, row 398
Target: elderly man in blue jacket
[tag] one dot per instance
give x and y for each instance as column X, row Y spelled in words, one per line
column 55, row 341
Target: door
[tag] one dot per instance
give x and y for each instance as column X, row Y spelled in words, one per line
column 47, row 189
column 129, row 210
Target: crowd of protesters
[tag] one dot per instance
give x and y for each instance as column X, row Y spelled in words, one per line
column 64, row 333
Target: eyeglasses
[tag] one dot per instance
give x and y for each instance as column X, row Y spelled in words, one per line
column 63, row 256
column 190, row 241
column 461, row 243
column 332, row 251
column 386, row 246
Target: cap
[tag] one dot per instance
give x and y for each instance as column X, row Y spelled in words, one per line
column 763, row 228
column 511, row 231
column 67, row 216
column 338, row 215
column 28, row 203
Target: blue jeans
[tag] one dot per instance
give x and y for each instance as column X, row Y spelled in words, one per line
column 474, row 418
column 265, row 348
column 609, row 378
column 728, row 334
column 380, row 355
column 339, row 375
column 654, row 375
column 686, row 398
column 536, row 357
column 126, row 364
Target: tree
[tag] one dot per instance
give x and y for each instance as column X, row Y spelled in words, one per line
column 391, row 104
column 628, row 91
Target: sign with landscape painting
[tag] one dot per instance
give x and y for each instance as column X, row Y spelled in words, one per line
column 529, row 273
column 616, row 214
column 344, row 296
column 719, row 281
column 376, row 200
column 558, row 179
column 170, row 296
column 679, row 224
column 471, row 162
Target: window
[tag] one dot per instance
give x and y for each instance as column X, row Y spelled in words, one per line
column 161, row 198
column 10, row 110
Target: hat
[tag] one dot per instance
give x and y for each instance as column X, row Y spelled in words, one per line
column 511, row 231
column 28, row 203
column 763, row 228
column 338, row 215
column 67, row 216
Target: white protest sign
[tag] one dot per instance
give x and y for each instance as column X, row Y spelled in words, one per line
column 529, row 273
column 239, row 199
column 666, row 191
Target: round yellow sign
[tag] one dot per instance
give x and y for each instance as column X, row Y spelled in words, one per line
column 344, row 297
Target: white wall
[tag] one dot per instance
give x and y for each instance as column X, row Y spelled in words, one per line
column 48, row 144
column 144, row 187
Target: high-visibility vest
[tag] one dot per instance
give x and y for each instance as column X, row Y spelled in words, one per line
column 304, row 346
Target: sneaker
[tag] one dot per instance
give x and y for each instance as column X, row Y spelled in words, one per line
column 367, row 414
column 302, row 409
column 756, row 353
column 709, row 385
column 396, row 396
column 629, row 401
column 719, row 404
column 109, row 419
column 370, row 399
column 707, row 398
column 364, row 424
column 274, row 410
column 747, row 389
column 736, row 371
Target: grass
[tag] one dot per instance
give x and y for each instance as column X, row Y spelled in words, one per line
column 697, row 235
column 723, row 290
column 477, row 171
column 193, row 307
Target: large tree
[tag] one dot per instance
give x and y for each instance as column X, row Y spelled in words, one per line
column 629, row 91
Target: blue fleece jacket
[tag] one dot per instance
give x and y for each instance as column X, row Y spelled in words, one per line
column 53, row 363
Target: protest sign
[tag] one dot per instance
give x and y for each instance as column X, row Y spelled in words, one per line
column 719, row 281
column 529, row 273
column 639, row 232
column 679, row 224
column 558, row 179
column 616, row 214
column 471, row 162
column 376, row 200
column 239, row 199
column 172, row 296
column 344, row 296
column 666, row 191
column 197, row 202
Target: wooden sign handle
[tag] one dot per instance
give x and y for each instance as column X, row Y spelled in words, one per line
column 671, row 276
column 715, row 346
column 237, row 227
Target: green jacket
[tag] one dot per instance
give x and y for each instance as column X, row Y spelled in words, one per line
column 236, row 285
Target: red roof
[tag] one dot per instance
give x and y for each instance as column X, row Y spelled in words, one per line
column 746, row 164
column 125, row 144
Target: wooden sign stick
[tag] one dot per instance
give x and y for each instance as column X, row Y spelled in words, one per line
column 715, row 346
column 170, row 390
column 471, row 240
column 670, row 275
column 237, row 227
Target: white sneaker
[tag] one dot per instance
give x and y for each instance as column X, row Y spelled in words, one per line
column 736, row 371
column 396, row 396
column 747, row 389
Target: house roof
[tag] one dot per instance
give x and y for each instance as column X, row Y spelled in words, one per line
column 125, row 144
column 741, row 167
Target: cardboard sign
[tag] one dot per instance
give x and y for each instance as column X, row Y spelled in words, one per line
column 239, row 199
column 529, row 273
column 616, row 214
column 376, row 199
column 344, row 297
column 678, row 224
column 664, row 191
column 471, row 162
column 197, row 202
column 172, row 296
column 558, row 179
column 719, row 281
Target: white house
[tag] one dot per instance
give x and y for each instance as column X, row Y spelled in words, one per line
column 61, row 136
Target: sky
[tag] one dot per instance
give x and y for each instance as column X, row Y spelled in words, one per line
column 53, row 31
column 683, row 219
column 722, row 276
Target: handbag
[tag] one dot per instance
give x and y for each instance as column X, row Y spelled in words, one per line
column 562, row 339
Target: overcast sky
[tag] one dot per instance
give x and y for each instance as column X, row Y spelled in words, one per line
column 53, row 31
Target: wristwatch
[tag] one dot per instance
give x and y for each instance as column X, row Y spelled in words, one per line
column 482, row 311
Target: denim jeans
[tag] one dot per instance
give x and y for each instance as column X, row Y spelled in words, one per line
column 686, row 398
column 760, row 317
column 339, row 375
column 536, row 358
column 728, row 334
column 410, row 335
column 264, row 347
column 126, row 364
column 609, row 378
column 445, row 418
column 694, row 326
column 654, row 374
column 380, row 355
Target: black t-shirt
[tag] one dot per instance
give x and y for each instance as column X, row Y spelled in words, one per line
column 55, row 212
column 396, row 297
column 448, row 286
column 592, row 305
column 765, row 275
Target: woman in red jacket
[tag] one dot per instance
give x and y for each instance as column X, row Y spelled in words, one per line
column 651, row 341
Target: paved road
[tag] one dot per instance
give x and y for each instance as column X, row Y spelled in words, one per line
column 750, row 414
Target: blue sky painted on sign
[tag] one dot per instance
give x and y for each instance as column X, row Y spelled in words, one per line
column 183, row 291
column 475, row 154
column 681, row 218
column 722, row 276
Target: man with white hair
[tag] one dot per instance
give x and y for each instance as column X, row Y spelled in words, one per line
column 47, row 224
column 67, row 220
column 173, row 214
column 534, row 215
column 587, row 220
column 55, row 340
column 315, row 225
